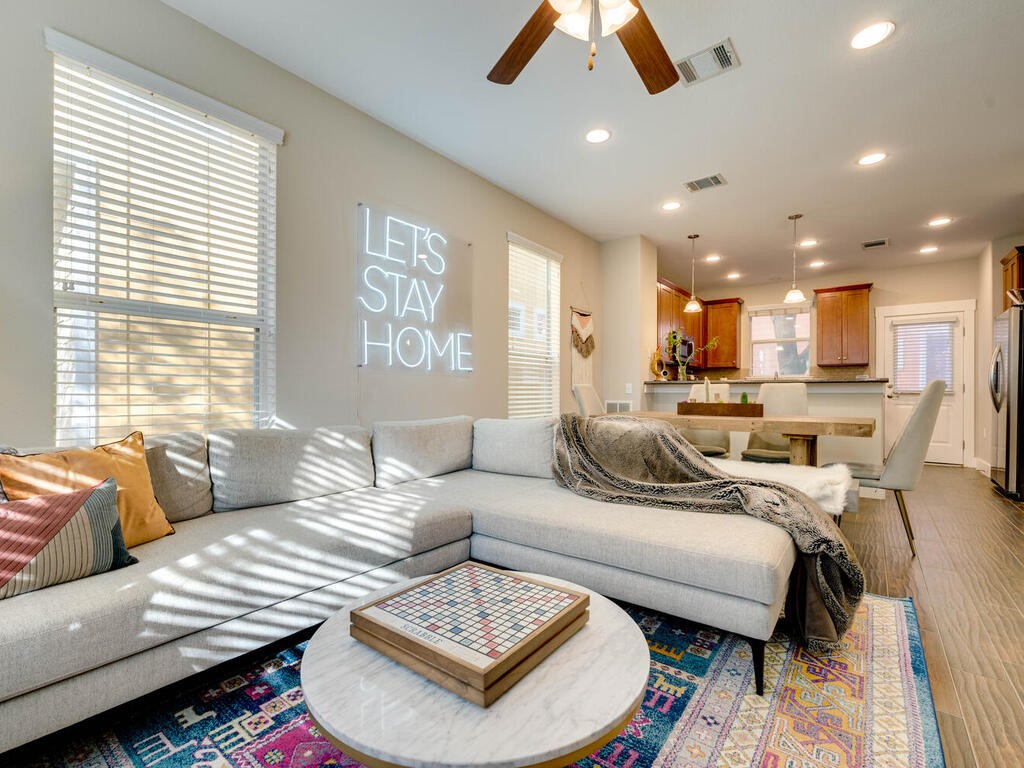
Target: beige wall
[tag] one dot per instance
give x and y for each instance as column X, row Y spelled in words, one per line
column 946, row 281
column 333, row 157
column 629, row 268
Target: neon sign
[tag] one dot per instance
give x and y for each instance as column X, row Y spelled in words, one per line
column 412, row 297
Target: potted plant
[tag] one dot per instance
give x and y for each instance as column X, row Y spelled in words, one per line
column 681, row 348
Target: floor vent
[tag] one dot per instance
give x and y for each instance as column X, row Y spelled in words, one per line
column 706, row 183
column 618, row 406
column 712, row 61
column 868, row 245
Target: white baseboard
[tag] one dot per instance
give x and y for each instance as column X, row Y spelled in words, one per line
column 983, row 466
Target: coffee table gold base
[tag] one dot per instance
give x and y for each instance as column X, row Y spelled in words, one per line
column 555, row 762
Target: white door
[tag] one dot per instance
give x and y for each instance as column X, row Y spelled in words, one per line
column 919, row 348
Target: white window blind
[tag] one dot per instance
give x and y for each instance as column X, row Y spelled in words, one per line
column 780, row 340
column 922, row 352
column 164, row 268
column 534, row 288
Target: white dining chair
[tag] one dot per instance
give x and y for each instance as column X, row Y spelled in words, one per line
column 902, row 468
column 587, row 400
column 710, row 442
column 779, row 399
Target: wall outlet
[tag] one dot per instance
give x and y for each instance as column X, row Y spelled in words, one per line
column 629, row 388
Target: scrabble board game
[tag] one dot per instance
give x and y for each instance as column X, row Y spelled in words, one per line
column 472, row 623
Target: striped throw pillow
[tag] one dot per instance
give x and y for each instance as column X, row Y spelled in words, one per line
column 48, row 540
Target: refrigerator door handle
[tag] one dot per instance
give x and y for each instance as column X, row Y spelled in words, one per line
column 995, row 372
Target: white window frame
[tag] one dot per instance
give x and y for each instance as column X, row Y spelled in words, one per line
column 769, row 310
column 78, row 305
column 522, row 401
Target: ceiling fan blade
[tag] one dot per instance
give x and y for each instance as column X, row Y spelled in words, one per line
column 648, row 55
column 526, row 43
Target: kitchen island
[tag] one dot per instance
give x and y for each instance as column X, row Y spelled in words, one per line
column 851, row 397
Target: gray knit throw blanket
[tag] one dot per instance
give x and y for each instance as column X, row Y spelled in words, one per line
column 625, row 460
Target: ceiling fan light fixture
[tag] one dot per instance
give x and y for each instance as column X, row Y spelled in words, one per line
column 577, row 23
column 615, row 14
column 566, row 6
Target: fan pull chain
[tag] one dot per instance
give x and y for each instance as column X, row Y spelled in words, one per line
column 595, row 27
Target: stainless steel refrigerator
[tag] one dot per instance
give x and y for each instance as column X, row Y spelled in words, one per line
column 1005, row 377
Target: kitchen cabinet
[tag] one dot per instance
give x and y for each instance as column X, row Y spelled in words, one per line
column 1011, row 272
column 671, row 301
column 722, row 319
column 844, row 320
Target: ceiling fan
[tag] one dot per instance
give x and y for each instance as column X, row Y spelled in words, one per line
column 584, row 19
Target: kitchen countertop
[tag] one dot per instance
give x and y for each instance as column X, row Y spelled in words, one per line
column 804, row 380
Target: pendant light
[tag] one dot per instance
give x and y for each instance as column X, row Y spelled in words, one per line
column 693, row 305
column 795, row 295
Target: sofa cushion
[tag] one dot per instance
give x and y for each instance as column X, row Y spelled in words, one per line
column 75, row 469
column 409, row 450
column 255, row 467
column 180, row 470
column 514, row 446
column 48, row 540
column 214, row 569
column 734, row 554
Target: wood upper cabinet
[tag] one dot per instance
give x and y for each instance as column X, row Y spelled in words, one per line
column 722, row 319
column 671, row 301
column 844, row 322
column 1011, row 272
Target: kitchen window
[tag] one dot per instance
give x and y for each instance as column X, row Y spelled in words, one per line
column 780, row 340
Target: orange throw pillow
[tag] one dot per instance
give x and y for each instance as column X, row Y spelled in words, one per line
column 142, row 519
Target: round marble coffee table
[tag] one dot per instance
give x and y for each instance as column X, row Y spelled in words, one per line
column 576, row 701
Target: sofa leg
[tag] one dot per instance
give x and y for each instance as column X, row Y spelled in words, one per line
column 757, row 646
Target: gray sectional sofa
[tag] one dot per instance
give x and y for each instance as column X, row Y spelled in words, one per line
column 277, row 529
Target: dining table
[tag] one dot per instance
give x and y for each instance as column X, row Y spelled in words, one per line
column 803, row 431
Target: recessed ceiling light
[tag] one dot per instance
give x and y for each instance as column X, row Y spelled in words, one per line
column 598, row 135
column 732, row 276
column 872, row 35
column 874, row 157
column 941, row 221
column 671, row 205
column 711, row 258
column 929, row 249
column 808, row 243
column 816, row 264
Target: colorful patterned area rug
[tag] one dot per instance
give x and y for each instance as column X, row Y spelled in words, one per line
column 866, row 706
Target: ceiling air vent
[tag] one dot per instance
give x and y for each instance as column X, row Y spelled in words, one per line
column 706, row 183
column 712, row 61
column 867, row 245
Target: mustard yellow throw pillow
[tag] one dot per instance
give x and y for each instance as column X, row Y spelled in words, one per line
column 142, row 519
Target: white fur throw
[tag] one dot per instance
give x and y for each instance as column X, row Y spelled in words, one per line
column 826, row 485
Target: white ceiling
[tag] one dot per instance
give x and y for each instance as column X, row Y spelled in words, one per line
column 944, row 97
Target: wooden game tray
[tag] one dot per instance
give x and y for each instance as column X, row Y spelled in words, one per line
column 720, row 409
column 490, row 694
column 408, row 626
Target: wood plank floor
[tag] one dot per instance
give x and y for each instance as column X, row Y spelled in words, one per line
column 968, row 586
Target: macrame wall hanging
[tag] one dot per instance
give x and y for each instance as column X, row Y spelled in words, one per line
column 581, row 322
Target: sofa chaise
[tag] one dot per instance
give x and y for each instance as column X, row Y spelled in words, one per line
column 275, row 530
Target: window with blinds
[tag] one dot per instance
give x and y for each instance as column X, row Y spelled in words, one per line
column 922, row 352
column 534, row 275
column 164, row 231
